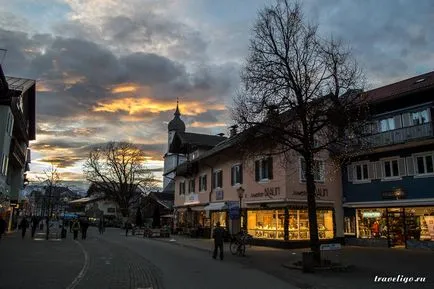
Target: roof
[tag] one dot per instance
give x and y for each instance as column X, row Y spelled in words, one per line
column 411, row 85
column 200, row 139
column 19, row 84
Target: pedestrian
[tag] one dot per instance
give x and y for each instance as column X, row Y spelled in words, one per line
column 127, row 227
column 101, row 226
column 3, row 226
column 35, row 221
column 218, row 236
column 75, row 228
column 84, row 227
column 24, row 224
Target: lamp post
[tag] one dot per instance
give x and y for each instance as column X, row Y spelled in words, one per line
column 240, row 192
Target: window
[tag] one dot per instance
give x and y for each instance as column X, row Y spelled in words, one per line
column 182, row 188
column 387, row 124
column 236, row 175
column 264, row 169
column 202, row 183
column 362, row 172
column 4, row 164
column 424, row 164
column 318, row 170
column 217, row 179
column 191, row 186
column 419, row 117
column 391, row 169
column 350, row 225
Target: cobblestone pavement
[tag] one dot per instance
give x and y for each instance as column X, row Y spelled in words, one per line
column 38, row 264
column 368, row 263
column 186, row 268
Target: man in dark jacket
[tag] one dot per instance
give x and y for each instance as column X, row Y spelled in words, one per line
column 35, row 221
column 3, row 226
column 24, row 224
column 218, row 236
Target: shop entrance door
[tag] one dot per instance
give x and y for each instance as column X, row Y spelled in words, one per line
column 395, row 218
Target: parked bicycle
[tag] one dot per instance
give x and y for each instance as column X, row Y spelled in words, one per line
column 239, row 242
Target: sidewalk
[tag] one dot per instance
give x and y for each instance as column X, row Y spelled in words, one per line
column 368, row 263
column 38, row 263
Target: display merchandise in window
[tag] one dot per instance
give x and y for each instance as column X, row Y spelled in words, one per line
column 372, row 223
column 418, row 222
column 350, row 225
column 218, row 217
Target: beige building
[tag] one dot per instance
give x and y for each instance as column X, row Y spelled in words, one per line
column 270, row 188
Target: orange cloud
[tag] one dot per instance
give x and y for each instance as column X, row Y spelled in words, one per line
column 127, row 87
column 42, row 86
column 140, row 105
column 207, row 124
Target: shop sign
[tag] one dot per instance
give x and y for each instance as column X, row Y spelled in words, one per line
column 219, row 195
column 234, row 210
column 14, row 203
column 371, row 214
column 268, row 192
column 397, row 194
column 319, row 192
column 191, row 199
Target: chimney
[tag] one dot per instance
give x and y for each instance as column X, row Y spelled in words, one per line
column 233, row 131
column 221, row 134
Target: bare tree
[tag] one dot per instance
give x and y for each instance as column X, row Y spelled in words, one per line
column 118, row 169
column 300, row 92
column 50, row 180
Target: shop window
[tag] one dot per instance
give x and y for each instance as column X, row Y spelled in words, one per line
column 181, row 188
column 372, row 223
column 219, row 217
column 318, row 170
column 217, row 179
column 350, row 225
column 424, row 164
column 391, row 169
column 236, row 175
column 202, row 183
column 420, row 223
column 266, row 224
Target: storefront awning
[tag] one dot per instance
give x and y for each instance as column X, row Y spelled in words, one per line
column 391, row 203
column 220, row 206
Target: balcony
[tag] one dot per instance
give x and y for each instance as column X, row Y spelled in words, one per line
column 397, row 136
column 17, row 153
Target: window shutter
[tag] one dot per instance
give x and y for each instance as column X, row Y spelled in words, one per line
column 232, row 176
column 379, row 170
column 193, row 185
column 410, row 166
column 204, row 182
column 200, row 183
column 349, row 172
column 401, row 167
column 371, row 168
column 213, row 180
column 397, row 120
column 241, row 174
column 270, row 168
column 406, row 119
column 257, row 168
column 221, row 179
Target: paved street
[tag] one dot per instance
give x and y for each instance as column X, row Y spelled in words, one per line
column 117, row 262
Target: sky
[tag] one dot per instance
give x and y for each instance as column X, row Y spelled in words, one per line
column 111, row 70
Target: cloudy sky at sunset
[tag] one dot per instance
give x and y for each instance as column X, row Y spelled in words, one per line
column 112, row 69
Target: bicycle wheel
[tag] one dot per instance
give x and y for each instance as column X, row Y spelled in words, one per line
column 233, row 247
column 241, row 250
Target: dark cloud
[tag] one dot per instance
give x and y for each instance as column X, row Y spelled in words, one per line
column 61, row 161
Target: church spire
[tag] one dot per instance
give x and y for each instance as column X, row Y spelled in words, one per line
column 177, row 113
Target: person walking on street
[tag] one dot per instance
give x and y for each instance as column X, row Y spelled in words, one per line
column 24, row 224
column 35, row 222
column 127, row 227
column 218, row 236
column 3, row 226
column 101, row 226
column 84, row 227
column 75, row 228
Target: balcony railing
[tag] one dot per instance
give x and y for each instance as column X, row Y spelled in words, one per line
column 398, row 136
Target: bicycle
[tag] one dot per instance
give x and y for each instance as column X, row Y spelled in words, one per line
column 238, row 243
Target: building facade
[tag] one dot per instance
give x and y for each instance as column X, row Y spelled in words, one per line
column 389, row 186
column 270, row 189
column 17, row 128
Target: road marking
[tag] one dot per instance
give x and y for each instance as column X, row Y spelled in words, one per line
column 83, row 270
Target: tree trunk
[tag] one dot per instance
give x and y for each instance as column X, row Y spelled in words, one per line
column 311, row 204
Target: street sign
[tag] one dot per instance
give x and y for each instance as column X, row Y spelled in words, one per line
column 330, row 247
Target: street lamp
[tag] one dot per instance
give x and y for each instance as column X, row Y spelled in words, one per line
column 240, row 192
